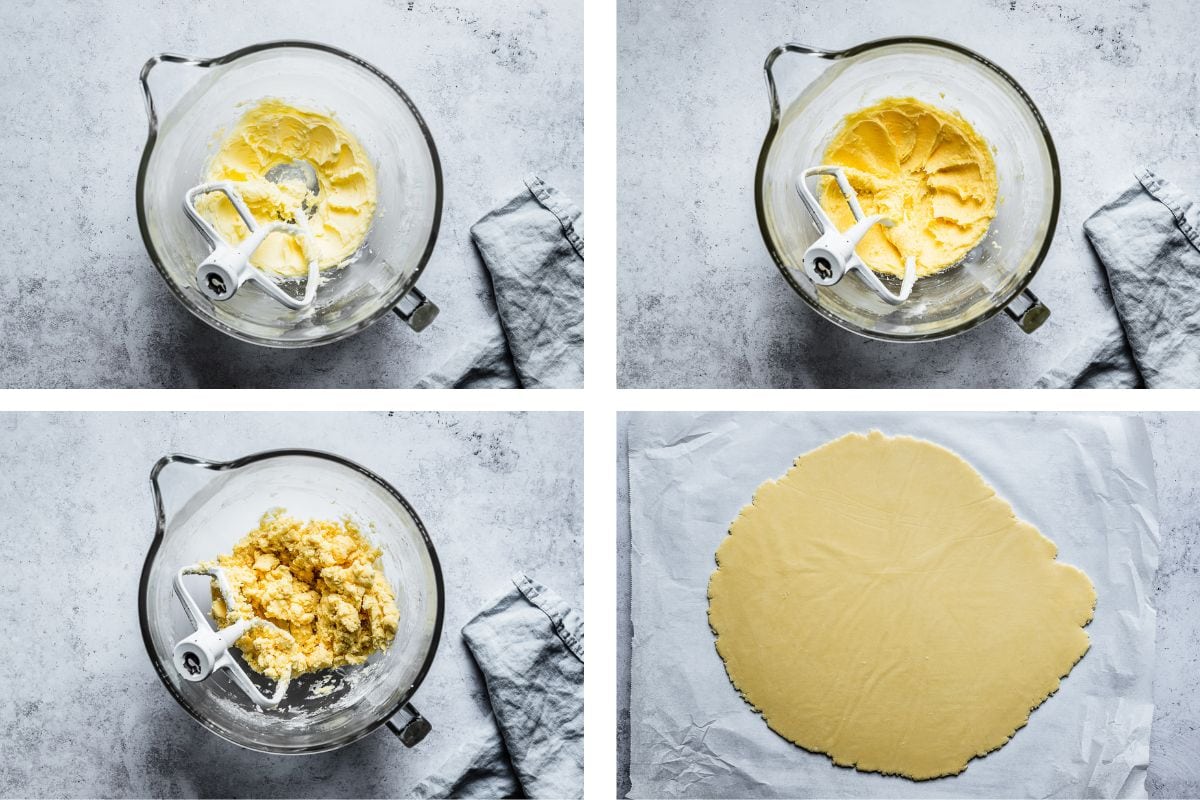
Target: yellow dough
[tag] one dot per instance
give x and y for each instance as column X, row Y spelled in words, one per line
column 274, row 132
column 880, row 604
column 925, row 168
column 317, row 580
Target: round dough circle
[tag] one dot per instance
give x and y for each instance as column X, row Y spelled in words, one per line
column 882, row 605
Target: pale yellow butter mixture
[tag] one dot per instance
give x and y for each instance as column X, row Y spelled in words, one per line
column 318, row 580
column 925, row 168
column 274, row 132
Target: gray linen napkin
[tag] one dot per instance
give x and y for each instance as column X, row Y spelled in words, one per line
column 533, row 251
column 1148, row 240
column 529, row 647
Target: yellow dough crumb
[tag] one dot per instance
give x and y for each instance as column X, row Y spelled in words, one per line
column 272, row 133
column 317, row 580
column 925, row 168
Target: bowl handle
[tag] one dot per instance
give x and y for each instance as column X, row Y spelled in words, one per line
column 413, row 729
column 156, row 484
column 1029, row 312
column 774, row 55
column 420, row 315
column 144, row 78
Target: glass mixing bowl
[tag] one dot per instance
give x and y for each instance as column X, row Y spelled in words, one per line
column 375, row 110
column 996, row 271
column 203, row 508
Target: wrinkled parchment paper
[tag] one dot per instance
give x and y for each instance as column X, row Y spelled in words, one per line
column 1087, row 481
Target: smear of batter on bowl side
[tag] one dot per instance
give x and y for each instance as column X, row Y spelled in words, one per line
column 925, row 168
column 881, row 604
column 316, row 579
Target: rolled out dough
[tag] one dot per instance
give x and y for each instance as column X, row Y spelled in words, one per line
column 882, row 605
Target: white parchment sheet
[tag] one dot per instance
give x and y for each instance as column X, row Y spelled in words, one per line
column 1087, row 481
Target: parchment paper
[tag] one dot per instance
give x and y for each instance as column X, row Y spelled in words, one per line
column 1087, row 481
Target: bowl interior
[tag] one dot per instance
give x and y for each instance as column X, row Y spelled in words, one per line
column 996, row 269
column 323, row 710
column 373, row 110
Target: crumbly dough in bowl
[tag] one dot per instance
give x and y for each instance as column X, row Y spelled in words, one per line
column 274, row 132
column 925, row 168
column 316, row 579
column 881, row 604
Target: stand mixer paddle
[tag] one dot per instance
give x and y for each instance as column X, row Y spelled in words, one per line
column 228, row 266
column 832, row 255
column 198, row 656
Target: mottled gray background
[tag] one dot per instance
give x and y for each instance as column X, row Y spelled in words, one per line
column 700, row 302
column 499, row 84
column 1175, row 734
column 82, row 712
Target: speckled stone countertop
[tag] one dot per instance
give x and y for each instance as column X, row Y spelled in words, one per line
column 1175, row 735
column 700, row 302
column 500, row 86
column 83, row 712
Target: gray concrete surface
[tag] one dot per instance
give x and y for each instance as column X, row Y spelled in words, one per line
column 500, row 85
column 83, row 712
column 700, row 302
column 1175, row 735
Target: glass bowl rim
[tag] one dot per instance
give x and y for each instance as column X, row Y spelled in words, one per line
column 773, row 130
column 227, row 466
column 152, row 138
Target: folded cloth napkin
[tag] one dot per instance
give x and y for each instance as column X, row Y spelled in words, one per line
column 1148, row 240
column 529, row 647
column 533, row 251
